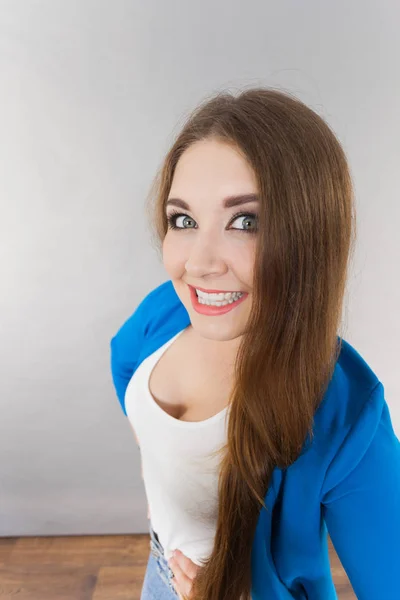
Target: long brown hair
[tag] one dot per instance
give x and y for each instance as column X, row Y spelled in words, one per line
column 289, row 350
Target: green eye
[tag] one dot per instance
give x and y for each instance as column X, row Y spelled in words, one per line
column 173, row 216
column 250, row 223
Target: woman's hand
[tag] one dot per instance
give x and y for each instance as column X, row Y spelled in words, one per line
column 184, row 571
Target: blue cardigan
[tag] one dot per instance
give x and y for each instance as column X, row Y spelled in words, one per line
column 346, row 483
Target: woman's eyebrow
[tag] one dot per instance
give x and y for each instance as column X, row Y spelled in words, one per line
column 228, row 202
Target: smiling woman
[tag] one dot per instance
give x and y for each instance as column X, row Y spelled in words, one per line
column 260, row 427
column 211, row 247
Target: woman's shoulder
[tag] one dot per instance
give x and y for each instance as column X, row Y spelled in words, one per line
column 352, row 413
column 160, row 313
column 348, row 395
column 350, row 389
column 161, row 295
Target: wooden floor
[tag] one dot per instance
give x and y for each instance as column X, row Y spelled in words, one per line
column 90, row 568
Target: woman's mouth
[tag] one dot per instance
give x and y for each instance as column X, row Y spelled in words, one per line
column 215, row 303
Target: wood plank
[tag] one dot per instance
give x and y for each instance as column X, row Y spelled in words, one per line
column 108, row 567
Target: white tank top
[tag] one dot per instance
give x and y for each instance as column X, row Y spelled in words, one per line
column 181, row 482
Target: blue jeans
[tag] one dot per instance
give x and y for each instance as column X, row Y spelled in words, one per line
column 157, row 583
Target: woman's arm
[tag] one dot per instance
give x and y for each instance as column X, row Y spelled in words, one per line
column 361, row 503
column 125, row 347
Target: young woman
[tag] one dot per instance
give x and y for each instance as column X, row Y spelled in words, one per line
column 260, row 428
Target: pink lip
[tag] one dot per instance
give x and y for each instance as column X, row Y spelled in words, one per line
column 205, row 309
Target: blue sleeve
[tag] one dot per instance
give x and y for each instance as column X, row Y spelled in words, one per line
column 361, row 502
column 125, row 347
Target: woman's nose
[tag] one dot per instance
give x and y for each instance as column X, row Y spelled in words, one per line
column 205, row 257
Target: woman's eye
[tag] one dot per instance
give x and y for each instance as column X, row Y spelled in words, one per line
column 249, row 222
column 174, row 218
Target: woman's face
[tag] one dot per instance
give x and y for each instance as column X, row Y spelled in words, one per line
column 211, row 248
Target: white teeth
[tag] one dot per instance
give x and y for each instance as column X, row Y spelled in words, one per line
column 217, row 296
column 218, row 299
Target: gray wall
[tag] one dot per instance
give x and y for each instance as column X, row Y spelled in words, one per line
column 91, row 93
